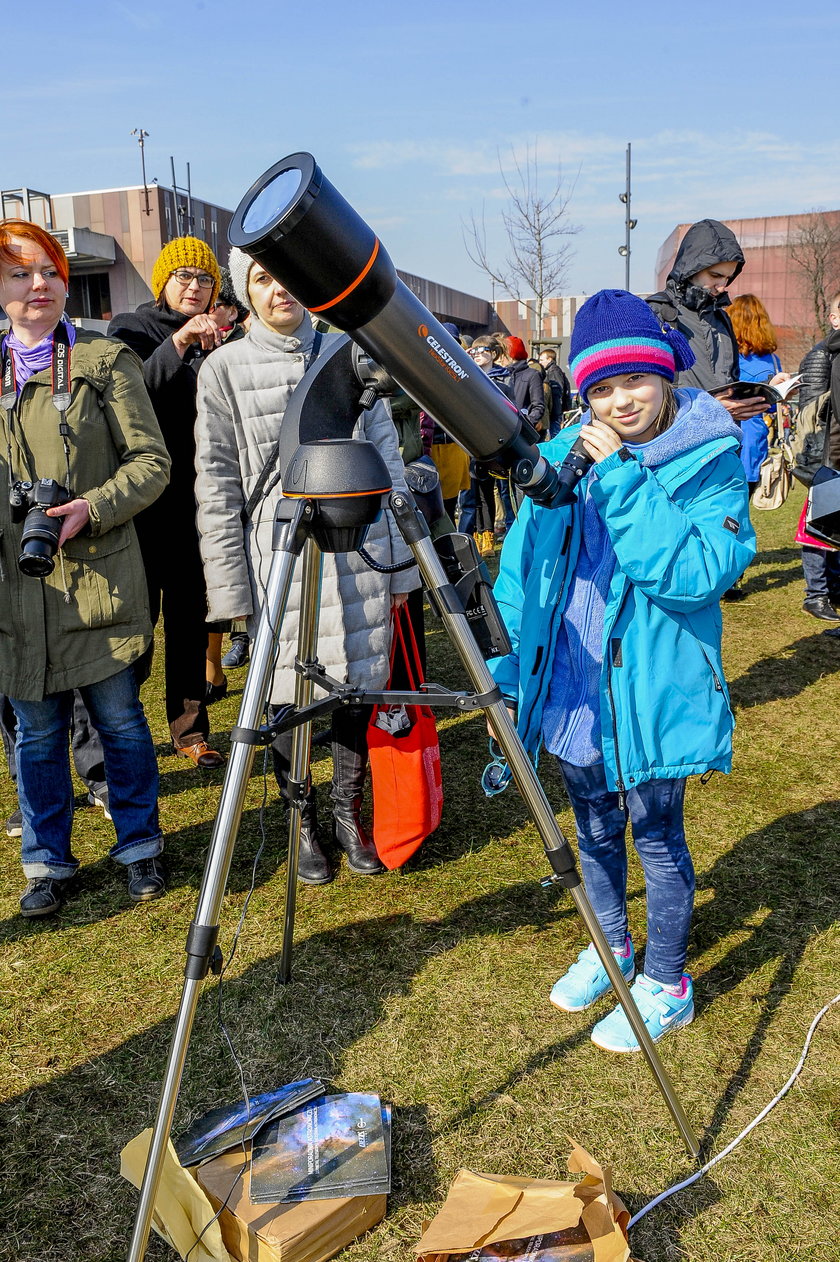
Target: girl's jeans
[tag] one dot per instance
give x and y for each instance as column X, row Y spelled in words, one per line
column 46, row 790
column 655, row 811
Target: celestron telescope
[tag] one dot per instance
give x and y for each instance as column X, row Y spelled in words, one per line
column 303, row 232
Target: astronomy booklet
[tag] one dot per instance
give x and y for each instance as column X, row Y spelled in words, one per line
column 334, row 1146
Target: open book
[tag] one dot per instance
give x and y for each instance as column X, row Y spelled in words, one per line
column 771, row 395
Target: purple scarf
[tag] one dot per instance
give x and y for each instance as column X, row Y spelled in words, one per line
column 31, row 359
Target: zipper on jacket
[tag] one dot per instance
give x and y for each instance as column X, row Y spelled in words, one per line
column 611, row 663
column 542, row 658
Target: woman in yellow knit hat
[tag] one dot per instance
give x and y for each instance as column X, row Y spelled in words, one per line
column 172, row 335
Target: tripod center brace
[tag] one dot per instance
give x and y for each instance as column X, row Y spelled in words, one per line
column 334, row 488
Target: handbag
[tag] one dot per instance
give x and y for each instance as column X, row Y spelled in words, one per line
column 404, row 765
column 822, row 519
column 775, row 479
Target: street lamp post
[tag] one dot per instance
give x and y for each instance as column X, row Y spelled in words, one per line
column 141, row 137
column 629, row 224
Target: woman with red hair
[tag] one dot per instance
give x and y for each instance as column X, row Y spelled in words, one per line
column 83, row 454
column 757, row 361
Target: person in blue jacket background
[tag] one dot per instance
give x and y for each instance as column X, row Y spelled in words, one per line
column 616, row 667
column 757, row 361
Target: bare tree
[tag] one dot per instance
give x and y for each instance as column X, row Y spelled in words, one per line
column 537, row 226
column 815, row 249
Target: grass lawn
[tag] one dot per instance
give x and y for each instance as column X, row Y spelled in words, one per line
column 430, row 986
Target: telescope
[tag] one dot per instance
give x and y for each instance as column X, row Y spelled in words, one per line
column 301, row 230
column 298, row 227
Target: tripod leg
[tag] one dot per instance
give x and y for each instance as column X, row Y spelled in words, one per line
column 310, row 601
column 557, row 849
column 202, row 951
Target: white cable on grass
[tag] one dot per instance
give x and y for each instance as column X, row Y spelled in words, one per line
column 678, row 1187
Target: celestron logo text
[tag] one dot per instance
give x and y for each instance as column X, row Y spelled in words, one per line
column 452, row 366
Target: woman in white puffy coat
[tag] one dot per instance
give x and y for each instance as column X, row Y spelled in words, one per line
column 243, row 391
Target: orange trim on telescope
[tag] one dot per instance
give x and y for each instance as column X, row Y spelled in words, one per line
column 332, row 495
column 362, row 274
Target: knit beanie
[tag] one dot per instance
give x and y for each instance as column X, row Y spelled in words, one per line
column 516, row 348
column 227, row 295
column 617, row 333
column 239, row 265
column 185, row 252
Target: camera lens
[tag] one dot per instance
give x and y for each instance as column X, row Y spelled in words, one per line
column 39, row 543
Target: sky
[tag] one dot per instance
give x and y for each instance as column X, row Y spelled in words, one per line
column 418, row 112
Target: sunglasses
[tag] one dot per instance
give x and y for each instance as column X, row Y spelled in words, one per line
column 495, row 777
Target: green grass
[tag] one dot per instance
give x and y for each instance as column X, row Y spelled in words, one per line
column 430, row 986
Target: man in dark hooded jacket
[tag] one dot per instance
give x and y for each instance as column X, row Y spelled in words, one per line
column 694, row 301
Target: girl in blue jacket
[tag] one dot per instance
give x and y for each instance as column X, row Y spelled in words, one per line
column 616, row 666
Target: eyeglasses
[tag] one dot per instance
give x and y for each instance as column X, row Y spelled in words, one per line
column 185, row 278
column 495, row 777
column 479, row 350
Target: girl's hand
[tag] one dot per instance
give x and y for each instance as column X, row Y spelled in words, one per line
column 76, row 514
column 201, row 329
column 398, row 599
column 600, row 440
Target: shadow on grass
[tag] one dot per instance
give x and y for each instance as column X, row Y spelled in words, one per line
column 777, row 889
column 84, row 1117
column 771, row 580
column 98, row 891
column 787, row 673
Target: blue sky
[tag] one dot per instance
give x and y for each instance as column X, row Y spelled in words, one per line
column 409, row 108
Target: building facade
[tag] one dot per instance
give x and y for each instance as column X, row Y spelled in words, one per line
column 113, row 236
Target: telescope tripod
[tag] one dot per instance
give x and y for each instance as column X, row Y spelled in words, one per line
column 292, row 538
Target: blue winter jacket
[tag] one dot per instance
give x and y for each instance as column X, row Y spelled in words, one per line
column 682, row 536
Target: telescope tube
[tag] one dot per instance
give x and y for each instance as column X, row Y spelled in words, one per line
column 302, row 231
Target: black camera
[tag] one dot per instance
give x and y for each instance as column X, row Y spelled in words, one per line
column 39, row 541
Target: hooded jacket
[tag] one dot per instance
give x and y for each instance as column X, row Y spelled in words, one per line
column 681, row 533
column 700, row 316
column 243, row 391
column 119, row 464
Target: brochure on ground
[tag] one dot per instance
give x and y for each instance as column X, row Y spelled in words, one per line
column 571, row 1245
column 233, row 1124
column 335, row 1146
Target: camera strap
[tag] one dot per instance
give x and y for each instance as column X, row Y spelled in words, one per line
column 61, row 397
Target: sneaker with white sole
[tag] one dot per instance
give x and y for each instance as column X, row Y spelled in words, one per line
column 100, row 798
column 662, row 1012
column 586, row 981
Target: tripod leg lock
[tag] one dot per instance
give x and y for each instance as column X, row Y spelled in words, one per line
column 563, row 867
column 203, row 955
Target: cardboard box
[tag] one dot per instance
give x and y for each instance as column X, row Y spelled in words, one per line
column 308, row 1231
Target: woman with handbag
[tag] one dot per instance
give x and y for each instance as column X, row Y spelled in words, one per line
column 243, row 391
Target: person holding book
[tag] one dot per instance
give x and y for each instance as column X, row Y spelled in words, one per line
column 694, row 301
column 616, row 666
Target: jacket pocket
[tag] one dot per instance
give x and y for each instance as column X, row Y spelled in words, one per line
column 104, row 579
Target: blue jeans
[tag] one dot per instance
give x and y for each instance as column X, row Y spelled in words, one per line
column 655, row 811
column 822, row 573
column 45, row 788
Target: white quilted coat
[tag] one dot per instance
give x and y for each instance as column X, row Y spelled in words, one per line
column 243, row 390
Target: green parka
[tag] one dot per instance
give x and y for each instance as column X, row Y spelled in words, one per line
column 120, row 465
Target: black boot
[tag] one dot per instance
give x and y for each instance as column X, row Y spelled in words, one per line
column 349, row 768
column 313, row 865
